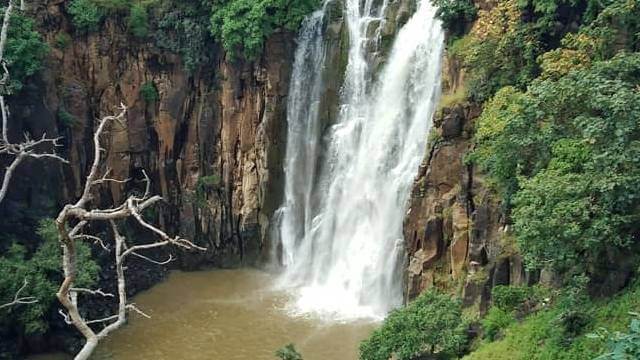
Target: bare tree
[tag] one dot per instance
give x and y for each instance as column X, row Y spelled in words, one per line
column 18, row 300
column 27, row 148
column 71, row 223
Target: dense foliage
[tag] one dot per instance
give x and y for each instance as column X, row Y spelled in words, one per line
column 564, row 150
column 432, row 324
column 86, row 14
column 559, row 137
column 24, row 51
column 183, row 27
column 455, row 14
column 138, row 20
column 568, row 151
column 41, row 269
column 243, row 25
column 622, row 345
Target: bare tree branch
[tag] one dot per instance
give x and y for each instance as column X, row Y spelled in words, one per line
column 81, row 214
column 18, row 300
column 92, row 292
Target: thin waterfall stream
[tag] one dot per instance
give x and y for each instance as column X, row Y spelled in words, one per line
column 346, row 187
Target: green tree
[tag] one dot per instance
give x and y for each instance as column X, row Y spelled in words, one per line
column 455, row 14
column 138, row 20
column 43, row 274
column 432, row 324
column 24, row 51
column 243, row 25
column 86, row 14
column 568, row 152
column 184, row 28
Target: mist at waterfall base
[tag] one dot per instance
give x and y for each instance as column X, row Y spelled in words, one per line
column 346, row 187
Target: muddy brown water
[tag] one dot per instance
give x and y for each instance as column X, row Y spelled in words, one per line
column 225, row 315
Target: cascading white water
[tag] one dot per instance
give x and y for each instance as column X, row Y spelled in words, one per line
column 346, row 188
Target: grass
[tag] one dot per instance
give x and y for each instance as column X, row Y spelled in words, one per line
column 539, row 336
column 449, row 100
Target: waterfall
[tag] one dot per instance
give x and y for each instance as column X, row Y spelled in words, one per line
column 347, row 186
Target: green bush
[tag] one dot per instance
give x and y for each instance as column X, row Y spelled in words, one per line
column 184, row 28
column 243, row 25
column 288, row 352
column 430, row 325
column 512, row 298
column 86, row 15
column 204, row 185
column 138, row 20
column 539, row 336
column 43, row 272
column 566, row 152
column 572, row 318
column 621, row 346
column 455, row 14
column 24, row 51
column 149, row 92
column 113, row 6
column 495, row 321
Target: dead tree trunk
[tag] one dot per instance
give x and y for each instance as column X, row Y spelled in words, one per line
column 71, row 223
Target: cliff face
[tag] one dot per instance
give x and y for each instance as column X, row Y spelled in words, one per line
column 211, row 140
column 454, row 231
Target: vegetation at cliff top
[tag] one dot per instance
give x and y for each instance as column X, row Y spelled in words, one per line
column 242, row 26
column 25, row 51
column 186, row 27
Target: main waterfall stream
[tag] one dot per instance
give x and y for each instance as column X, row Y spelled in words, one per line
column 347, row 186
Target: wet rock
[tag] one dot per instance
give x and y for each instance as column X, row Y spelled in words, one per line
column 452, row 123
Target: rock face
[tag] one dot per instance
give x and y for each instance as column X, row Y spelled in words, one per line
column 453, row 229
column 212, row 140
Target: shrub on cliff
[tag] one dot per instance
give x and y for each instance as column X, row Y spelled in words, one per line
column 242, row 26
column 86, row 15
column 184, row 28
column 138, row 20
column 455, row 14
column 149, row 92
column 430, row 325
column 24, row 51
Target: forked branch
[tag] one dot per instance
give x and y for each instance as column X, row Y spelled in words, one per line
column 18, row 300
column 77, row 216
